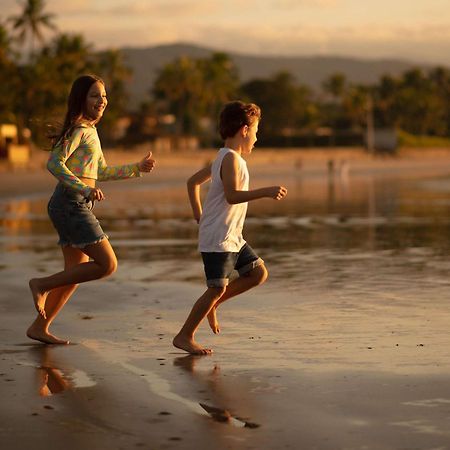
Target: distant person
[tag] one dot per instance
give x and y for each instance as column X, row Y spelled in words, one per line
column 77, row 161
column 221, row 243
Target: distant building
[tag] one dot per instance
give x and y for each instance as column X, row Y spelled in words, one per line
column 385, row 140
column 10, row 149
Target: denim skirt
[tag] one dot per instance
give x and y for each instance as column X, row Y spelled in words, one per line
column 72, row 216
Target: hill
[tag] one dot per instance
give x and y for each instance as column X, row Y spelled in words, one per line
column 309, row 70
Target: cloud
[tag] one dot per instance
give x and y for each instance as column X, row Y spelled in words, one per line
column 161, row 9
column 428, row 43
column 297, row 4
column 248, row 27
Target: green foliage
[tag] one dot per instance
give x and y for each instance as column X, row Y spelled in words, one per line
column 34, row 91
column 285, row 105
column 410, row 140
column 188, row 93
column 194, row 88
column 31, row 22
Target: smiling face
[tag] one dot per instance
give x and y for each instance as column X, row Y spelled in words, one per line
column 96, row 102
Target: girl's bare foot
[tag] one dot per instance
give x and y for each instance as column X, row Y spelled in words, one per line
column 39, row 297
column 212, row 320
column 190, row 346
column 38, row 334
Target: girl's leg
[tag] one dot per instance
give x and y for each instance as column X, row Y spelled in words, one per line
column 104, row 263
column 239, row 285
column 185, row 338
column 56, row 299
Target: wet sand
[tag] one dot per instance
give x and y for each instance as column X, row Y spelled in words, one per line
column 324, row 364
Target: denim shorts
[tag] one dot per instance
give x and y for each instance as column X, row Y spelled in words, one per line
column 219, row 265
column 72, row 216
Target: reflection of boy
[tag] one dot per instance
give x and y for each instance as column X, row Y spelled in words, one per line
column 221, row 243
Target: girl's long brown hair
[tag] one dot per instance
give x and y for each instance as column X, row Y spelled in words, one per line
column 76, row 104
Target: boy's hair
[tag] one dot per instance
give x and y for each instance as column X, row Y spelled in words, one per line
column 235, row 115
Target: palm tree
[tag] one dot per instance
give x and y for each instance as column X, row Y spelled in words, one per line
column 114, row 71
column 31, row 23
column 179, row 87
column 8, row 78
column 221, row 81
column 5, row 48
column 335, row 86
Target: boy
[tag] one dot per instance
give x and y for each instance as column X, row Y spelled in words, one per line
column 220, row 233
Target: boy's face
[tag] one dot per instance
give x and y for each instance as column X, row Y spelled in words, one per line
column 250, row 137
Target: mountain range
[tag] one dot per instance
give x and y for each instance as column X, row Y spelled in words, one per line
column 308, row 70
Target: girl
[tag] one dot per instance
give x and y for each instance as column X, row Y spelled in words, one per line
column 77, row 161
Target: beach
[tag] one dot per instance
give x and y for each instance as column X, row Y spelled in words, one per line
column 344, row 347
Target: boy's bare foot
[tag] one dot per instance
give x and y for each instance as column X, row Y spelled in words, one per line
column 212, row 319
column 39, row 297
column 44, row 336
column 190, row 346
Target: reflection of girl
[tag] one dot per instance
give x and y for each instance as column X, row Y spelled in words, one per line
column 52, row 381
column 77, row 161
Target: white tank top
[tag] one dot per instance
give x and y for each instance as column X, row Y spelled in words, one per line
column 221, row 223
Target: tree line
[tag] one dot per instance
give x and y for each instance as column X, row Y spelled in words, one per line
column 35, row 76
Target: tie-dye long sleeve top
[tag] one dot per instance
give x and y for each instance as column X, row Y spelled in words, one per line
column 81, row 155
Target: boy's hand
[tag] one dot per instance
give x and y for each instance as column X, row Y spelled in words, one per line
column 276, row 192
column 146, row 164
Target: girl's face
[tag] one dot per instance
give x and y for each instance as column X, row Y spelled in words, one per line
column 96, row 101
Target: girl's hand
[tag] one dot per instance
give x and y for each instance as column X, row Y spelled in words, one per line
column 96, row 194
column 146, row 164
column 277, row 192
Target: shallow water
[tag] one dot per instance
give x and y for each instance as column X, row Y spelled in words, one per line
column 363, row 230
column 329, row 352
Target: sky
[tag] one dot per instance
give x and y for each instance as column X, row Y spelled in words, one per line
column 415, row 30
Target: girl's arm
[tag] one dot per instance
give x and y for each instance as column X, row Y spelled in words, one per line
column 229, row 172
column 106, row 172
column 193, row 187
column 57, row 162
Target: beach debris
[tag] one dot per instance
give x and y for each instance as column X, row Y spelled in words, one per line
column 86, row 317
column 218, row 414
column 164, row 413
column 224, row 416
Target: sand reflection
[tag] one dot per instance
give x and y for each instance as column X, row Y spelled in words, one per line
column 212, row 381
column 54, row 376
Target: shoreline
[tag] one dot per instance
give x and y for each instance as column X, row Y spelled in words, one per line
column 176, row 167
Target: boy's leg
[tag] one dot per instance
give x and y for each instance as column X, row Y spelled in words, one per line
column 239, row 285
column 185, row 338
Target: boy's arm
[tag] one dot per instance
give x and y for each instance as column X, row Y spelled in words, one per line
column 229, row 172
column 193, row 187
